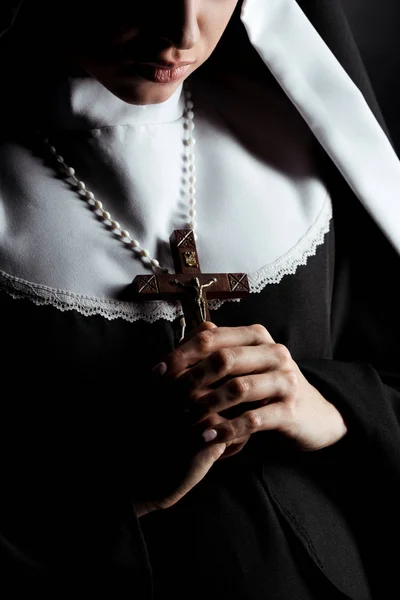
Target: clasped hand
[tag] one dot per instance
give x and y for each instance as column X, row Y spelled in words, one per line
column 218, row 371
column 219, row 368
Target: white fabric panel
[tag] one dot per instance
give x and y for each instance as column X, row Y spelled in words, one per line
column 330, row 103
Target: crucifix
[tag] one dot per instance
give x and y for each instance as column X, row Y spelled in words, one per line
column 188, row 283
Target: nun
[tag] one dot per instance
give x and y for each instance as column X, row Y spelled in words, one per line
column 199, row 258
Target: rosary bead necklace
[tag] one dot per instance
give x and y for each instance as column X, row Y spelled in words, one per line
column 189, row 179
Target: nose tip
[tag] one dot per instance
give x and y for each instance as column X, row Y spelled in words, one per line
column 187, row 39
column 183, row 28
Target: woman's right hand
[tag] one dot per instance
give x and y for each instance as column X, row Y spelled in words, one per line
column 172, row 462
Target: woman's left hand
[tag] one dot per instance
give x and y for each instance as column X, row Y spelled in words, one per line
column 222, row 367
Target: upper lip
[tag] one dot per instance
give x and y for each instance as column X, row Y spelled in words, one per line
column 167, row 65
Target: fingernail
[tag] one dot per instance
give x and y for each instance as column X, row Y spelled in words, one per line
column 209, row 435
column 160, row 369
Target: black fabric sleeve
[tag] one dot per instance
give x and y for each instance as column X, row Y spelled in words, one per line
column 363, row 381
column 369, row 454
column 369, row 406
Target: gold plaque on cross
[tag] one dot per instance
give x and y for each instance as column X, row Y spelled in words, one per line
column 190, row 259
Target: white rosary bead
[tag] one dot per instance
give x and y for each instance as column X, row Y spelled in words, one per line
column 115, row 225
column 125, row 234
column 154, row 262
column 98, row 205
column 89, row 195
column 60, row 159
column 81, row 186
column 145, row 253
column 192, row 212
column 190, row 105
column 106, row 215
column 70, row 171
column 135, row 244
column 190, row 114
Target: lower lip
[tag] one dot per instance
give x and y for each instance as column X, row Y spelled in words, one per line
column 160, row 75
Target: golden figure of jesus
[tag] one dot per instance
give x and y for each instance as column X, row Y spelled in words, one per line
column 200, row 297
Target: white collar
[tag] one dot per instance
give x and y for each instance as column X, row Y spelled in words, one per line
column 84, row 103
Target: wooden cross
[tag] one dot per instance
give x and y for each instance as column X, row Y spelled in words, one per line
column 188, row 283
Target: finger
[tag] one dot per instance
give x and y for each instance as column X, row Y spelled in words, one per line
column 232, row 362
column 199, row 467
column 161, row 368
column 234, row 448
column 204, row 343
column 266, row 387
column 206, row 326
column 275, row 416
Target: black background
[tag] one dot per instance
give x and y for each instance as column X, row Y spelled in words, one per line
column 376, row 27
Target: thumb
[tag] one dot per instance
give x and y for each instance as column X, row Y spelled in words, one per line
column 199, row 467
